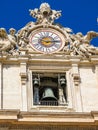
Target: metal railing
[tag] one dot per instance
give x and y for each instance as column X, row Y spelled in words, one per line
column 49, row 103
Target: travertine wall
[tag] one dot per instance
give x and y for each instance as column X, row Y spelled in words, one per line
column 11, row 87
column 89, row 88
column 15, row 95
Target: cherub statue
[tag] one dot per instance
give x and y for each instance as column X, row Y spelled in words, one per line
column 54, row 15
column 22, row 37
column 36, row 14
column 3, row 34
column 67, row 31
column 12, row 37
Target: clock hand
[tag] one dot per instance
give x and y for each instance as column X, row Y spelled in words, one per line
column 55, row 41
column 51, row 41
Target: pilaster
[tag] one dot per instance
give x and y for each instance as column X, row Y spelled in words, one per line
column 30, row 91
column 23, row 75
column 69, row 90
column 76, row 88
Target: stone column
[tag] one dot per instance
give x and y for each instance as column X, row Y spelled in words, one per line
column 76, row 88
column 23, row 74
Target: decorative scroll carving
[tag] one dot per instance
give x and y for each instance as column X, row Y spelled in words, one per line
column 45, row 15
column 75, row 44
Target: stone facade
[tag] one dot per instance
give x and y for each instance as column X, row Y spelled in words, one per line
column 63, row 62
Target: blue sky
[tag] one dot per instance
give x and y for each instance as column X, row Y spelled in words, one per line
column 79, row 15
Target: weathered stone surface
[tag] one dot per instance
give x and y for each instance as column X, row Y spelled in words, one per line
column 75, row 60
column 11, row 87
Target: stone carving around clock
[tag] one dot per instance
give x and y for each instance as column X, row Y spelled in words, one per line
column 46, row 37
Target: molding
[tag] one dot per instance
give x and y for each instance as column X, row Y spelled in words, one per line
column 72, row 118
column 23, row 78
column 48, row 58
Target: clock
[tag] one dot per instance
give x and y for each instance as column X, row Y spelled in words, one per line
column 46, row 40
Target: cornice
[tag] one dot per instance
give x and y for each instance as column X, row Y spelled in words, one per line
column 41, row 58
column 49, row 117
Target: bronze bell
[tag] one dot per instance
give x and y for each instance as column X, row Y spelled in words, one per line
column 62, row 81
column 48, row 95
column 36, row 81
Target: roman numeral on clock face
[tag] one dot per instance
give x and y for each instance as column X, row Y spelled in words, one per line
column 43, row 34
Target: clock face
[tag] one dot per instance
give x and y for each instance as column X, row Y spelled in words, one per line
column 46, row 40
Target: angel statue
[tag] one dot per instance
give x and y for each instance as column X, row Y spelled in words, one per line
column 8, row 42
column 81, row 43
